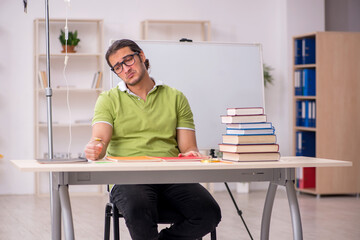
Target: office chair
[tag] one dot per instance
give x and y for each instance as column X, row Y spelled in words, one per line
column 166, row 216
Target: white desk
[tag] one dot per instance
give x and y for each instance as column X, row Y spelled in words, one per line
column 277, row 173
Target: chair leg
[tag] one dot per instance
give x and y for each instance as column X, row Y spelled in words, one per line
column 213, row 235
column 116, row 223
column 108, row 215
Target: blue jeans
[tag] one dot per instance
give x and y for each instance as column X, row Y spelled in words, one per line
column 199, row 211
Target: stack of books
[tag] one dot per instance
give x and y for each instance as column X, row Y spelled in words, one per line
column 249, row 136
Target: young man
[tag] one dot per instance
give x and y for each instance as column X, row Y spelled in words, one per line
column 143, row 117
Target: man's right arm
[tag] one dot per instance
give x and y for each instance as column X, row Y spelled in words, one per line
column 96, row 147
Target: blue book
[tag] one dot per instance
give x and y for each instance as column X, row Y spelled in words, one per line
column 258, row 131
column 309, row 82
column 308, row 50
column 249, row 125
column 298, row 82
column 313, row 114
column 298, row 143
column 298, row 116
column 306, row 142
column 307, row 113
column 303, row 114
column 298, row 51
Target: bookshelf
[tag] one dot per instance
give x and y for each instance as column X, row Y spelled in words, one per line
column 73, row 84
column 168, row 26
column 337, row 100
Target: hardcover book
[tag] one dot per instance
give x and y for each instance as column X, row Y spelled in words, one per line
column 259, row 131
column 250, row 157
column 249, row 139
column 254, row 125
column 243, row 118
column 242, row 148
column 245, row 111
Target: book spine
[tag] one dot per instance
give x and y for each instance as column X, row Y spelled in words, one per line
column 307, row 113
column 308, row 50
column 305, row 78
column 298, row 82
column 303, row 113
column 309, row 82
column 298, row 113
column 308, row 147
column 298, row 51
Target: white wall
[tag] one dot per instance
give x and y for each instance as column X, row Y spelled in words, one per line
column 271, row 23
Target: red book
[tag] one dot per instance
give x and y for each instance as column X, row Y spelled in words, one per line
column 308, row 180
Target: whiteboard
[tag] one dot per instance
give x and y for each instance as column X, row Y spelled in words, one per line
column 213, row 77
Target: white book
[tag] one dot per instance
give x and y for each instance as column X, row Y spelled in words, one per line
column 245, row 111
column 243, row 119
column 261, row 131
column 249, row 125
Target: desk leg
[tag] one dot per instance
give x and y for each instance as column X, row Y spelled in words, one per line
column 269, row 202
column 66, row 212
column 55, row 207
column 294, row 210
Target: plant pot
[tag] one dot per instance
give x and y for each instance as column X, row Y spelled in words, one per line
column 70, row 49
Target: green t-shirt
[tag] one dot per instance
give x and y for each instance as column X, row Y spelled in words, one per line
column 144, row 128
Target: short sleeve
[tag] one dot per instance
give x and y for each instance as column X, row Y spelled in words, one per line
column 103, row 111
column 185, row 116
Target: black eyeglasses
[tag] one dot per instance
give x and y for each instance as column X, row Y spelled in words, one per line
column 129, row 60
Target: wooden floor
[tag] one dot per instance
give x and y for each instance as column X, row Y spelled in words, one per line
column 335, row 217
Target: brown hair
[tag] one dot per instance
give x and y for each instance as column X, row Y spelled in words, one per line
column 118, row 44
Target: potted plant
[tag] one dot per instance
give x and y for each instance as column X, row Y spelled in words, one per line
column 268, row 78
column 71, row 43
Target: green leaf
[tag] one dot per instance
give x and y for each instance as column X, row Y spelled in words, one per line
column 73, row 39
column 268, row 78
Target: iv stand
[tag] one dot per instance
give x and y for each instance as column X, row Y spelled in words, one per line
column 57, row 192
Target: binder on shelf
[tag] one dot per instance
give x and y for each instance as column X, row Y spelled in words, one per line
column 298, row 82
column 305, row 113
column 308, row 50
column 298, row 51
column 305, row 144
column 309, row 82
column 308, row 177
column 298, row 115
column 313, row 114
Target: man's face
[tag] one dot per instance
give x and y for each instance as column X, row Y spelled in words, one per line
column 133, row 74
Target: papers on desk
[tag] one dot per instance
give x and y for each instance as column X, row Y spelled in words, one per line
column 154, row 159
column 62, row 160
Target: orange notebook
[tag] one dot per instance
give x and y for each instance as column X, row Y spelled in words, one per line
column 134, row 159
column 181, row 159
